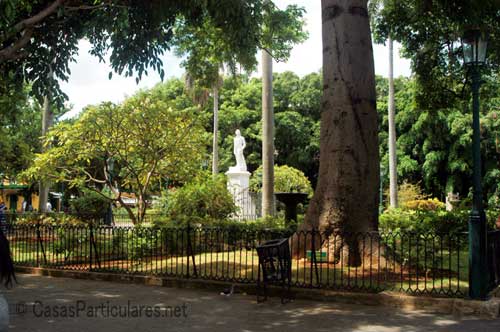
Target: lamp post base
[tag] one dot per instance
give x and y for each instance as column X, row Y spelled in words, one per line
column 478, row 268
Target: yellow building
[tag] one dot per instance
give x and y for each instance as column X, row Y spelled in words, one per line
column 13, row 195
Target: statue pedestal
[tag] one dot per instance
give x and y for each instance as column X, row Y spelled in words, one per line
column 238, row 183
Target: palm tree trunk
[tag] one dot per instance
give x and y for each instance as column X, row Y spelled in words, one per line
column 393, row 162
column 215, row 144
column 47, row 121
column 267, row 135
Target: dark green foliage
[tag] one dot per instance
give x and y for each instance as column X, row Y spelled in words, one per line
column 67, row 243
column 434, row 144
column 282, row 29
column 430, row 32
column 297, row 114
column 141, row 242
column 90, row 204
column 20, row 128
column 429, row 222
column 42, row 34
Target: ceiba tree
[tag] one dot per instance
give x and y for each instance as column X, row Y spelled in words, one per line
column 346, row 198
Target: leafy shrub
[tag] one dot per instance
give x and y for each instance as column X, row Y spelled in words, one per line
column 408, row 192
column 67, row 242
column 268, row 222
column 160, row 203
column 286, row 179
column 90, row 204
column 161, row 220
column 202, row 201
column 422, row 221
column 141, row 242
column 431, row 204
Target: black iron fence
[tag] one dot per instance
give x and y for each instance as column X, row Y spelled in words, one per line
column 434, row 264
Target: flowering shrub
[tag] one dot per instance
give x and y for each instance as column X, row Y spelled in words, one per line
column 431, row 204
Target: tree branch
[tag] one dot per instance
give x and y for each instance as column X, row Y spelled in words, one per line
column 38, row 17
column 11, row 52
column 26, row 28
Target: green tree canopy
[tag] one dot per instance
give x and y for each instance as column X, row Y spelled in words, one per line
column 124, row 147
column 287, row 179
column 430, row 33
column 434, row 144
column 40, row 35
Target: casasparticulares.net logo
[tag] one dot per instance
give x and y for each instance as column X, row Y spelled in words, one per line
column 107, row 309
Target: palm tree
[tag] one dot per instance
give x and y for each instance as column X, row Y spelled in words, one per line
column 47, row 121
column 215, row 143
column 267, row 135
column 393, row 161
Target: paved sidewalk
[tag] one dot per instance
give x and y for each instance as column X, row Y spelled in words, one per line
column 47, row 304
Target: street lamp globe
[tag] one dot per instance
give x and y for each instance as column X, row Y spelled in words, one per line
column 474, row 43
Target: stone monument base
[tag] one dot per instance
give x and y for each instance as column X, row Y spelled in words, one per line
column 238, row 183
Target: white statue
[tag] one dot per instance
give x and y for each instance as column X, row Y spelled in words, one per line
column 238, row 180
column 239, row 146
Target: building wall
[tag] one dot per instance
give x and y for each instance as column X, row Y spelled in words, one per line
column 6, row 196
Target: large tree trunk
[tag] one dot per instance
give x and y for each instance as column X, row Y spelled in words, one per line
column 393, row 162
column 267, row 135
column 215, row 144
column 345, row 203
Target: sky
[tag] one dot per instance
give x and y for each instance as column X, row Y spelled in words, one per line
column 89, row 82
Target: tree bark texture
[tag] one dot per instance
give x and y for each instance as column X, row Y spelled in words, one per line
column 393, row 161
column 345, row 203
column 267, row 135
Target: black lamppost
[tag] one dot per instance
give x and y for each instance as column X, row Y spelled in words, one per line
column 474, row 44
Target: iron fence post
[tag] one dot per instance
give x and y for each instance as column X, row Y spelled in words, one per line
column 187, row 249
column 90, row 246
column 37, row 243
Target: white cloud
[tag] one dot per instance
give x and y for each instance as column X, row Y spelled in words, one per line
column 89, row 82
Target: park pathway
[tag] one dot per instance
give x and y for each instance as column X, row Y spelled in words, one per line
column 59, row 304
